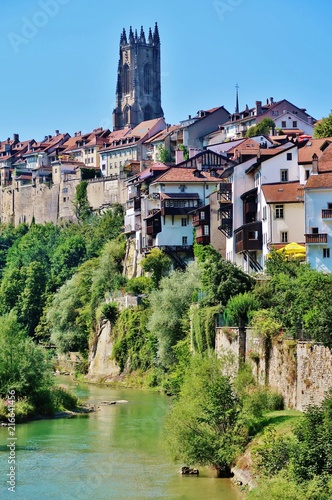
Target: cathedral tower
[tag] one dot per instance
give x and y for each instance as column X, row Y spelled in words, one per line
column 138, row 90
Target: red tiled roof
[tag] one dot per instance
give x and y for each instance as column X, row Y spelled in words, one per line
column 176, row 174
column 319, row 181
column 179, row 196
column 325, row 160
column 281, row 192
column 161, row 135
column 313, row 146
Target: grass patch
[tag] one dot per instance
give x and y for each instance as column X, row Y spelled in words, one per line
column 283, row 421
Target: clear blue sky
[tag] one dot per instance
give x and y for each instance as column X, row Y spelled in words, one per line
column 59, row 68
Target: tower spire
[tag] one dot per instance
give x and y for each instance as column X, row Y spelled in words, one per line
column 156, row 38
column 237, row 99
column 142, row 35
column 150, row 36
column 124, row 37
column 131, row 35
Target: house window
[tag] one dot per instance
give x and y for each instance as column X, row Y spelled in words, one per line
column 314, row 230
column 289, row 156
column 284, row 237
column 326, row 253
column 294, row 124
column 182, row 188
column 264, row 213
column 253, row 235
column 306, row 174
column 103, row 167
column 283, row 124
column 329, row 206
column 279, row 212
column 183, row 222
column 202, row 215
column 284, row 175
column 206, row 230
column 184, row 240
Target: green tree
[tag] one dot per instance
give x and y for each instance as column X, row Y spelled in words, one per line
column 311, row 456
column 201, row 427
column 239, row 308
column 23, row 365
column 323, row 128
column 221, row 280
column 158, row 264
column 262, row 128
column 163, row 154
column 170, row 310
column 81, row 204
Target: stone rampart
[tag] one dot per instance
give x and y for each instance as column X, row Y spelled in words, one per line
column 300, row 371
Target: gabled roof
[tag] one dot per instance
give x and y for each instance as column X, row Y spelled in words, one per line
column 143, row 128
column 281, row 192
column 320, row 181
column 325, row 160
column 160, row 136
column 179, row 174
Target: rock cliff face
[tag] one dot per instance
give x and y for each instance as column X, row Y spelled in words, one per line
column 101, row 366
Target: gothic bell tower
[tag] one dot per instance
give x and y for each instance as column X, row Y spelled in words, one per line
column 138, row 90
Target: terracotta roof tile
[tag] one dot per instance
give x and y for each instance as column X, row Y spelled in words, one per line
column 312, row 147
column 281, row 192
column 320, row 181
column 175, row 174
column 325, row 160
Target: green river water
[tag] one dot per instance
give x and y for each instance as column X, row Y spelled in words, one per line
column 115, row 453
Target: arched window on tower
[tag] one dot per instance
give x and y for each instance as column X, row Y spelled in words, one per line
column 147, row 112
column 147, row 79
column 125, row 78
column 126, row 115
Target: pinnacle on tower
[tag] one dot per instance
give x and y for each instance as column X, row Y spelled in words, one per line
column 142, row 35
column 123, row 38
column 156, row 38
column 131, row 35
column 150, row 36
column 237, row 99
column 136, row 37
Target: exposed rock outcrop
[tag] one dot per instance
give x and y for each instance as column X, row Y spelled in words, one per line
column 101, row 365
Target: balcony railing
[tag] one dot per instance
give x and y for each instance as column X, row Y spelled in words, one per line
column 327, row 213
column 248, row 237
column 203, row 240
column 316, row 238
column 225, row 192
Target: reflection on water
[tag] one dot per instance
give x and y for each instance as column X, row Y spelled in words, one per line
column 115, row 453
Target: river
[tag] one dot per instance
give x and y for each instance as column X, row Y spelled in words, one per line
column 115, row 453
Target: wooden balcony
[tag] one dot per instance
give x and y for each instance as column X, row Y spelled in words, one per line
column 201, row 217
column 203, row 240
column 327, row 213
column 248, row 237
column 225, row 192
column 316, row 238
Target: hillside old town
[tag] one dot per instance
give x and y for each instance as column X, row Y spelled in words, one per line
column 244, row 195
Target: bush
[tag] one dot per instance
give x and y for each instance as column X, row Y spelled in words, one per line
column 63, row 399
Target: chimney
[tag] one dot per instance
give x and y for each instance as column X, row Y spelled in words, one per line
column 178, row 156
column 271, row 101
column 16, row 138
column 189, row 117
column 57, row 132
column 258, row 108
column 314, row 164
column 193, row 152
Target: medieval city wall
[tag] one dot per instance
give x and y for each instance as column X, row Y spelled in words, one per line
column 300, row 371
column 50, row 202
